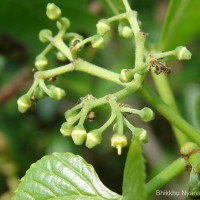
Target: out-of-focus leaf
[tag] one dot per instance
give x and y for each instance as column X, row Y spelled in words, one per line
column 181, row 24
column 192, row 102
column 62, row 176
column 134, row 173
column 116, row 6
column 24, row 19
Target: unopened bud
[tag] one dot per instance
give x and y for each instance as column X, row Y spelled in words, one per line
column 118, row 141
column 41, row 62
column 66, row 129
column 24, row 103
column 125, row 30
column 102, row 27
column 141, row 134
column 45, row 35
column 60, row 56
column 97, row 41
column 146, row 114
column 183, row 53
column 39, row 93
column 79, row 135
column 63, row 22
column 70, row 114
column 188, row 148
column 56, row 93
column 93, row 138
column 125, row 76
column 53, row 11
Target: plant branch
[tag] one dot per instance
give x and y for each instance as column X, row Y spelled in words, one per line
column 170, row 114
column 165, row 176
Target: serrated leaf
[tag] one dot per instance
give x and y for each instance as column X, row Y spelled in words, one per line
column 181, row 24
column 134, row 173
column 62, row 176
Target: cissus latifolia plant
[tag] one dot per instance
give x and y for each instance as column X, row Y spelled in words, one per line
column 68, row 176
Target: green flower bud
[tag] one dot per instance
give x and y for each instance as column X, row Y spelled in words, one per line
column 41, row 62
column 125, row 30
column 141, row 134
column 188, row 148
column 56, row 93
column 70, row 114
column 66, row 129
column 93, row 138
column 45, row 35
column 183, row 53
column 118, row 141
column 146, row 114
column 24, row 103
column 63, row 22
column 39, row 93
column 125, row 76
column 53, row 11
column 97, row 41
column 79, row 135
column 60, row 56
column 102, row 27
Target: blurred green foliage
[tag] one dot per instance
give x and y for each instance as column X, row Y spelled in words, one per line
column 26, row 138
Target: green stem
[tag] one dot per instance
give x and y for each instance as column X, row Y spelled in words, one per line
column 170, row 115
column 164, row 54
column 107, row 123
column 60, row 45
column 117, row 17
column 166, row 94
column 32, row 88
column 165, row 176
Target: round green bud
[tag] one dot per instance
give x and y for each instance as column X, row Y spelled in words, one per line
column 53, row 11
column 93, row 138
column 125, row 76
column 188, row 148
column 183, row 53
column 63, row 22
column 45, row 35
column 24, row 103
column 60, row 56
column 66, row 129
column 70, row 114
column 39, row 93
column 146, row 114
column 79, row 135
column 97, row 41
column 141, row 134
column 118, row 141
column 41, row 62
column 125, row 30
column 56, row 93
column 102, row 27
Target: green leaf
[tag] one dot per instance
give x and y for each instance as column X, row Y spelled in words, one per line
column 62, row 176
column 181, row 24
column 24, row 19
column 134, row 173
column 192, row 103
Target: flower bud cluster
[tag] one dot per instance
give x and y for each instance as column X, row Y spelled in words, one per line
column 124, row 29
